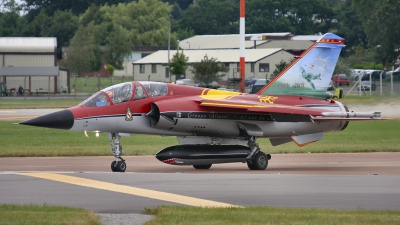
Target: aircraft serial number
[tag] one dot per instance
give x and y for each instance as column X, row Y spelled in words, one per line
column 295, row 85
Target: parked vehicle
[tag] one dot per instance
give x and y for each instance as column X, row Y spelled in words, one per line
column 356, row 74
column 394, row 72
column 365, row 85
column 260, row 83
column 340, row 79
column 187, row 82
column 213, row 85
column 375, row 75
column 250, row 81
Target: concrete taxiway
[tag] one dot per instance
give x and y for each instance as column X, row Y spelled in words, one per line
column 336, row 181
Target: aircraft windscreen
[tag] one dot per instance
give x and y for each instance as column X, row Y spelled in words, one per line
column 96, row 100
column 117, row 93
column 155, row 89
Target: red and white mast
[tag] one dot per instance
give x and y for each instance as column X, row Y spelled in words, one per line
column 241, row 37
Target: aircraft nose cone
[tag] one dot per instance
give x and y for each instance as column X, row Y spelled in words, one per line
column 63, row 119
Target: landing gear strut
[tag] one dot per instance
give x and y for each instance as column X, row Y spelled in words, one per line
column 257, row 159
column 119, row 164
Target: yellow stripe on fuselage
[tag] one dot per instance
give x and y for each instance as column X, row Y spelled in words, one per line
column 213, row 94
column 233, row 105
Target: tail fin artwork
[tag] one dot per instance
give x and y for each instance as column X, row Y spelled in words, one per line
column 310, row 73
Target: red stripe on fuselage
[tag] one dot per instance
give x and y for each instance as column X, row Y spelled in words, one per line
column 186, row 98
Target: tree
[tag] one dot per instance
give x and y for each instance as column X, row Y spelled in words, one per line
column 84, row 53
column 279, row 68
column 342, row 67
column 207, row 70
column 178, row 64
column 10, row 24
column 38, row 25
column 212, row 17
column 381, row 26
column 10, row 6
column 297, row 17
column 183, row 4
column 351, row 29
column 63, row 26
column 77, row 7
column 116, row 45
column 114, row 29
column 264, row 16
column 110, row 70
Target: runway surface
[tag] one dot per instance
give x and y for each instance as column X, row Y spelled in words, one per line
column 335, row 181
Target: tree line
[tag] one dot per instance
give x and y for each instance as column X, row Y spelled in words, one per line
column 103, row 31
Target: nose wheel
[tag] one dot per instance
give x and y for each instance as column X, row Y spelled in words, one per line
column 119, row 164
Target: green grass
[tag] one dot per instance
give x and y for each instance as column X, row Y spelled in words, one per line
column 37, row 103
column 31, row 214
column 24, row 141
column 268, row 215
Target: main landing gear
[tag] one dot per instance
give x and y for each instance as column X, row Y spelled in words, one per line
column 119, row 164
column 257, row 160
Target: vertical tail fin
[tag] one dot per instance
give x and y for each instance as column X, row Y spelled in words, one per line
column 311, row 72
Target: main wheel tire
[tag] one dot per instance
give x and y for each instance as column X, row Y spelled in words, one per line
column 250, row 165
column 259, row 162
column 113, row 166
column 119, row 166
column 202, row 167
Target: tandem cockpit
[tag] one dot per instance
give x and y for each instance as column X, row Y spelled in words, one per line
column 124, row 92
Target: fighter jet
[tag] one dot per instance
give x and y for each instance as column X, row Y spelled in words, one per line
column 215, row 126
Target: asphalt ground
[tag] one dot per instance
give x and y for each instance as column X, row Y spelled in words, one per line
column 335, row 181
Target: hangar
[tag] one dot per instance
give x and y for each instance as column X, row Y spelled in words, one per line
column 32, row 63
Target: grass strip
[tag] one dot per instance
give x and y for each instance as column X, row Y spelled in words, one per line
column 268, row 215
column 33, row 214
column 37, row 103
column 25, row 141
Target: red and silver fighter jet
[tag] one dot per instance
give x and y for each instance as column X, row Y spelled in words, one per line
column 215, row 126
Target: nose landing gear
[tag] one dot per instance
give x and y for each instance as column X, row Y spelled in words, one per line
column 119, row 164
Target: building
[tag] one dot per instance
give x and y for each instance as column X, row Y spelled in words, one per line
column 32, row 63
column 259, row 63
column 287, row 41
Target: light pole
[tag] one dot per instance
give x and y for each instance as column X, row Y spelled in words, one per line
column 380, row 76
column 188, row 44
column 169, row 42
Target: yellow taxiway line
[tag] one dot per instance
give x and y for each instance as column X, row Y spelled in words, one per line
column 163, row 196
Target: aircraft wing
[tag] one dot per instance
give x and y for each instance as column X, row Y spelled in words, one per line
column 287, row 113
column 263, row 108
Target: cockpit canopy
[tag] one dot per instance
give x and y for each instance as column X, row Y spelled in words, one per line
column 124, row 92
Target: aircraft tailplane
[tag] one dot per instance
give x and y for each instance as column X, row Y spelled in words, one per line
column 310, row 73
